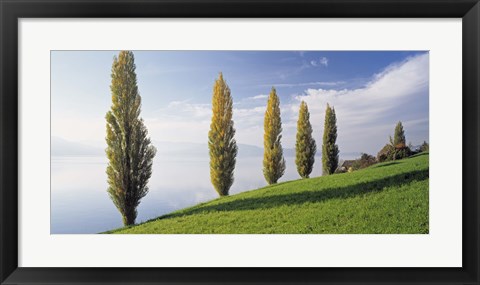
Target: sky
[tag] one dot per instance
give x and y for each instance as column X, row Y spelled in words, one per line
column 370, row 90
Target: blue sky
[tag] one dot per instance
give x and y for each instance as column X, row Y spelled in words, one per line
column 370, row 91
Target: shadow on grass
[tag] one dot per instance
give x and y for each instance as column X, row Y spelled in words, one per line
column 386, row 164
column 397, row 162
column 311, row 195
column 419, row 154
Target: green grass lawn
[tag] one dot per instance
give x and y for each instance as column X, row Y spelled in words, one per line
column 387, row 198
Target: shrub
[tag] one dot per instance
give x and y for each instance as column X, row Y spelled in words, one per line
column 397, row 149
column 364, row 161
column 391, row 152
column 386, row 153
column 401, row 151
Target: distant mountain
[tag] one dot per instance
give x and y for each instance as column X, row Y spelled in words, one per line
column 180, row 149
column 201, row 149
column 62, row 147
column 349, row 155
column 246, row 150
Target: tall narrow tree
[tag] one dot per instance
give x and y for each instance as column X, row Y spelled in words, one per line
column 273, row 161
column 399, row 136
column 129, row 150
column 330, row 149
column 221, row 141
column 400, row 148
column 305, row 146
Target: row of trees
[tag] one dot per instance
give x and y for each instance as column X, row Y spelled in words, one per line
column 130, row 152
column 223, row 149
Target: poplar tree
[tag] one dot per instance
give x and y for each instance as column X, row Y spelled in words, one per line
column 305, row 146
column 129, row 150
column 330, row 149
column 221, row 141
column 401, row 150
column 399, row 136
column 273, row 161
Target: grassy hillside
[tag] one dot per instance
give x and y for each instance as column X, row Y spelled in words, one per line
column 390, row 197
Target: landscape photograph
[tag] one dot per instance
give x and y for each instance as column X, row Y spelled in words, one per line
column 239, row 142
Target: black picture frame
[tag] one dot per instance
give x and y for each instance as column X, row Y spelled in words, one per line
column 11, row 11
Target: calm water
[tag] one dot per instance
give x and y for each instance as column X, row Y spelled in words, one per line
column 80, row 203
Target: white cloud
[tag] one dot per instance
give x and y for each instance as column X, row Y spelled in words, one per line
column 177, row 103
column 319, row 83
column 175, row 129
column 324, row 61
column 249, row 125
column 321, row 61
column 180, row 121
column 261, row 96
column 366, row 116
column 290, row 72
column 184, row 109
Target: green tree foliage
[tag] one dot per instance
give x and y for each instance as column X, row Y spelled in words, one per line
column 364, row 161
column 273, row 161
column 129, row 150
column 305, row 146
column 401, row 150
column 397, row 148
column 221, row 141
column 387, row 153
column 399, row 135
column 330, row 149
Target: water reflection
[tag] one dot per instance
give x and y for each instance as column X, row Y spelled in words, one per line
column 80, row 203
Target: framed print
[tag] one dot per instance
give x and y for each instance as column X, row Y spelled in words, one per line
column 239, row 142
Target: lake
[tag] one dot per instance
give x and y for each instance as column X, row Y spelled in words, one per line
column 80, row 203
